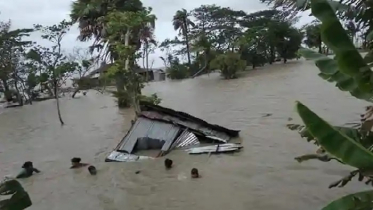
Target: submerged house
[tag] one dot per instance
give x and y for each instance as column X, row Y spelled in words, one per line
column 164, row 129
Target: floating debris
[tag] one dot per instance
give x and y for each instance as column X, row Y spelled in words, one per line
column 216, row 139
column 267, row 115
column 220, row 148
column 124, row 157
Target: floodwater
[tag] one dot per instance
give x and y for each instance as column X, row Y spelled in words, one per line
column 263, row 176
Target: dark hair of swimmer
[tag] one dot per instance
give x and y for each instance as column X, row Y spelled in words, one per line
column 194, row 173
column 168, row 163
column 27, row 164
column 92, row 170
column 75, row 163
column 76, row 160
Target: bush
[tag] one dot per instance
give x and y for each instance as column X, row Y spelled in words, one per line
column 124, row 99
column 229, row 64
column 177, row 71
column 153, row 98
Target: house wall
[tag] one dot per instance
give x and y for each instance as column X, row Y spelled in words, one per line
column 159, row 76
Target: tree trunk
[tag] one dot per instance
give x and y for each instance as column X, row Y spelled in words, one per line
column 58, row 101
column 75, row 92
column 28, row 92
column 207, row 60
column 19, row 96
column 143, row 60
column 133, row 90
column 320, row 44
column 147, row 61
column 31, row 96
column 7, row 93
column 187, row 42
column 271, row 55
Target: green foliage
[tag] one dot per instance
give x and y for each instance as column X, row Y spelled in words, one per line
column 177, row 71
column 32, row 80
column 348, row 69
column 182, row 23
column 12, row 67
column 335, row 142
column 360, row 200
column 153, row 99
column 329, row 71
column 85, row 83
column 259, row 37
column 53, row 66
column 364, row 138
column 91, row 15
column 124, row 99
column 95, row 17
column 122, row 70
column 174, row 69
column 350, row 72
column 229, row 64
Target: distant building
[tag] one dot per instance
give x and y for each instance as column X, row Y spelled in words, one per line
column 148, row 75
column 159, row 74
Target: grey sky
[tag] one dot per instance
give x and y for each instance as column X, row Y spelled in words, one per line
column 25, row 13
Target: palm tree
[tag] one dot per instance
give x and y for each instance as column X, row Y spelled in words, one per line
column 90, row 15
column 181, row 23
column 147, row 39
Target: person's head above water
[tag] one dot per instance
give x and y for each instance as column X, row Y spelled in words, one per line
column 75, row 163
column 76, row 160
column 27, row 164
column 168, row 163
column 194, row 173
column 92, row 170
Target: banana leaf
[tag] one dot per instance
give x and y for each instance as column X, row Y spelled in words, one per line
column 348, row 59
column 364, row 138
column 335, row 142
column 358, row 201
column 329, row 71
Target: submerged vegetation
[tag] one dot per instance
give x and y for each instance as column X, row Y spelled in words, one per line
column 210, row 32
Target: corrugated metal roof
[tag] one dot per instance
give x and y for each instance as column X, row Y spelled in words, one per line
column 170, row 115
column 185, row 139
column 189, row 124
column 151, row 129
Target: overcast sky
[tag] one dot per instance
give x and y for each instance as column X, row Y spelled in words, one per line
column 25, row 13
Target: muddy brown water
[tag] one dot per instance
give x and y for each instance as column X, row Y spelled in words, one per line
column 263, row 176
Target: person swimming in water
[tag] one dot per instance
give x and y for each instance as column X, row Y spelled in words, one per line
column 92, row 170
column 27, row 170
column 75, row 163
column 168, row 163
column 194, row 173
